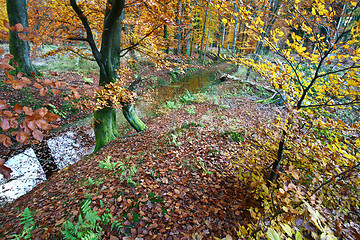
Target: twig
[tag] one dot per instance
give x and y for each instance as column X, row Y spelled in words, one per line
column 133, row 46
column 332, row 178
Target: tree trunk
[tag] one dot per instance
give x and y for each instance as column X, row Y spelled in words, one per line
column 105, row 119
column 132, row 118
column 259, row 45
column 166, row 37
column 243, row 39
column 108, row 59
column 20, row 49
column 235, row 30
column 116, row 45
column 188, row 42
column 223, row 36
column 105, row 126
column 203, row 32
column 192, row 46
column 178, row 35
column 207, row 39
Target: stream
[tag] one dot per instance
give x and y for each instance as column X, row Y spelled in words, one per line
column 77, row 139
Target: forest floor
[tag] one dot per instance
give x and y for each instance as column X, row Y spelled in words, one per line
column 175, row 180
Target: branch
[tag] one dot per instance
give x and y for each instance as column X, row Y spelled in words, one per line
column 336, row 176
column 253, row 84
column 142, row 39
column 337, row 71
column 78, row 39
column 117, row 7
column 89, row 34
column 316, row 76
column 131, row 5
column 313, row 31
column 81, row 55
column 276, row 50
column 355, row 101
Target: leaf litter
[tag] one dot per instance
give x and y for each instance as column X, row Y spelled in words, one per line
column 184, row 186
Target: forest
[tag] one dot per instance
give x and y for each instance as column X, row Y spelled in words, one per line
column 207, row 119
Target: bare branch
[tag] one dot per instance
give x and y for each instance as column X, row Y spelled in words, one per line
column 336, row 176
column 337, row 71
column 89, row 34
column 78, row 39
column 316, row 76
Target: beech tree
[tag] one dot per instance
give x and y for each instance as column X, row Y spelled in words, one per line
column 105, row 118
column 18, row 44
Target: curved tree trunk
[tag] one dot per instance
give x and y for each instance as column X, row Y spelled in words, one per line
column 105, row 127
column 20, row 49
column 132, row 118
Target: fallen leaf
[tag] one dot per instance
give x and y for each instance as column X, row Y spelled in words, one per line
column 4, row 170
column 60, row 222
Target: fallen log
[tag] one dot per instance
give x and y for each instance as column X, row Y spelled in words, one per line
column 225, row 77
column 279, row 100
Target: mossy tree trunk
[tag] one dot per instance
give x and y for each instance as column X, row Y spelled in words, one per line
column 108, row 59
column 132, row 118
column 20, row 49
column 105, row 126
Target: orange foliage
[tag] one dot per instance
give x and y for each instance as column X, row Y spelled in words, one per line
column 3, row 17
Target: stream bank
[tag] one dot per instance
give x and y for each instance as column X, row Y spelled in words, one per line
column 73, row 142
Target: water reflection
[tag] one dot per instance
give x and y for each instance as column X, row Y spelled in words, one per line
column 194, row 83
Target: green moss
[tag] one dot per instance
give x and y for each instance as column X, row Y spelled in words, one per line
column 105, row 127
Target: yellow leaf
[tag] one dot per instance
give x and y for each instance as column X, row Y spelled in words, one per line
column 287, row 229
column 272, row 234
column 298, row 236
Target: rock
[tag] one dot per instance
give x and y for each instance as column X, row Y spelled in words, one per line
column 26, row 174
column 68, row 147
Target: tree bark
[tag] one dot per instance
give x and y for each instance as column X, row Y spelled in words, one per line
column 20, row 49
column 179, row 33
column 108, row 59
column 105, row 126
column 132, row 118
column 188, row 42
column 235, row 30
column 207, row 39
column 203, row 32
column 166, row 37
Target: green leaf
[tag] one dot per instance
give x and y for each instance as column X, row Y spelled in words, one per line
column 272, row 234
